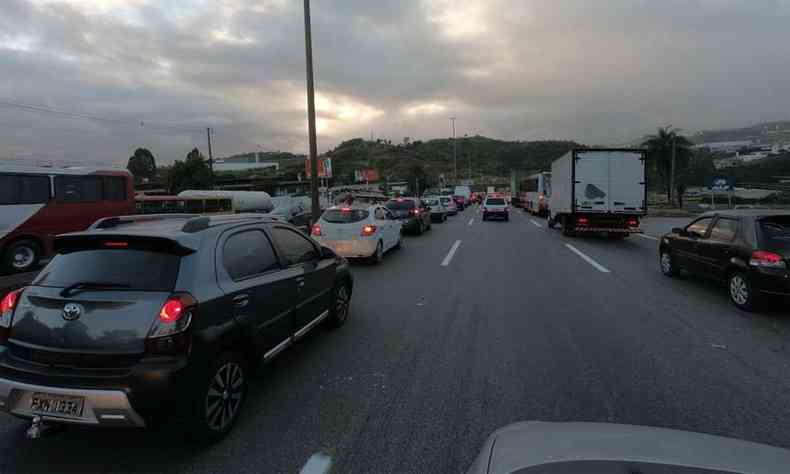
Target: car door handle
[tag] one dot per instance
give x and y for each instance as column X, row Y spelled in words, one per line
column 300, row 283
column 240, row 301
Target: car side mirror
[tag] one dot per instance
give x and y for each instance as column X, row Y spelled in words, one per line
column 327, row 253
column 679, row 231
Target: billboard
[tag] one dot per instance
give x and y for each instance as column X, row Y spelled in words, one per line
column 366, row 175
column 324, row 168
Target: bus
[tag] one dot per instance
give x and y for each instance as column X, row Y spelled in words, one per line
column 535, row 194
column 38, row 203
column 184, row 205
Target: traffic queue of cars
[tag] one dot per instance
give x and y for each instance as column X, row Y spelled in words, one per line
column 146, row 317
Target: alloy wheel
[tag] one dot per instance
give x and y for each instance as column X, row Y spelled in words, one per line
column 342, row 303
column 666, row 263
column 739, row 290
column 223, row 399
column 23, row 257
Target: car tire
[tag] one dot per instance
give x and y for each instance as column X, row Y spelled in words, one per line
column 420, row 230
column 378, row 255
column 430, row 225
column 341, row 305
column 667, row 264
column 219, row 398
column 22, row 256
column 399, row 245
column 507, row 218
column 741, row 292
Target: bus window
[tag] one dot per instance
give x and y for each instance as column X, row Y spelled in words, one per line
column 19, row 189
column 212, row 205
column 114, row 188
column 194, row 206
column 78, row 188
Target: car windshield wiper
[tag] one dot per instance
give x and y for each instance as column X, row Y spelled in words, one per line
column 92, row 285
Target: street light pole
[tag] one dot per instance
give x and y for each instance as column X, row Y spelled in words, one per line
column 672, row 170
column 455, row 157
column 308, row 43
column 210, row 158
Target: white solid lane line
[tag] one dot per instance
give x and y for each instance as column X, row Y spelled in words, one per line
column 645, row 236
column 536, row 223
column 471, row 221
column 587, row 259
column 319, row 463
column 451, row 253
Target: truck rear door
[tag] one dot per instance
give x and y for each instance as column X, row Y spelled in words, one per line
column 592, row 182
column 626, row 182
column 609, row 181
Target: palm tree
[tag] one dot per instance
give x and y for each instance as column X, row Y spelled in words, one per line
column 659, row 154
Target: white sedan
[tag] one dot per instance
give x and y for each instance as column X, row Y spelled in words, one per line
column 358, row 232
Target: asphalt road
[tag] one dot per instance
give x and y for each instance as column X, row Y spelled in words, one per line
column 441, row 350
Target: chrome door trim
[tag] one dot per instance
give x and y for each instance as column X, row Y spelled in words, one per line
column 311, row 325
column 277, row 349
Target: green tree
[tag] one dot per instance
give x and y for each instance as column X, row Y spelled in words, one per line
column 659, row 154
column 142, row 164
column 192, row 173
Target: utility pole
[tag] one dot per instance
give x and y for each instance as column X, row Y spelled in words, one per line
column 210, row 158
column 672, row 169
column 308, row 45
column 455, row 157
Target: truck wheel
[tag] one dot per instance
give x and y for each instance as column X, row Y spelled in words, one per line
column 567, row 231
column 22, row 256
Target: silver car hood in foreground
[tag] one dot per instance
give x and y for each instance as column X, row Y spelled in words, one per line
column 530, row 444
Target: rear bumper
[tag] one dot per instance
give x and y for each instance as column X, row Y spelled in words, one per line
column 101, row 407
column 496, row 214
column 771, row 282
column 351, row 248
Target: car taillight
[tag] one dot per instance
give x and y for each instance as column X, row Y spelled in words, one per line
column 416, row 212
column 633, row 222
column 368, row 230
column 582, row 221
column 7, row 306
column 169, row 335
column 762, row 258
column 316, row 230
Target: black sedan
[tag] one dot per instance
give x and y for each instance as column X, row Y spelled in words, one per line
column 413, row 214
column 747, row 249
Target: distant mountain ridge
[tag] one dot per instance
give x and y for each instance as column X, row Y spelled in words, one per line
column 766, row 132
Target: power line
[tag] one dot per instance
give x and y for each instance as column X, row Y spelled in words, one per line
column 62, row 113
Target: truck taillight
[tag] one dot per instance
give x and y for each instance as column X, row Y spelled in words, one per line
column 368, row 230
column 7, row 306
column 316, row 230
column 762, row 258
column 582, row 221
column 169, row 334
column 633, row 222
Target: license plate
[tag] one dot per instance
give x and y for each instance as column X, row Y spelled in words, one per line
column 60, row 405
column 342, row 247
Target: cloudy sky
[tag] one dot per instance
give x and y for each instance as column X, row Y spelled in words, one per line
column 160, row 71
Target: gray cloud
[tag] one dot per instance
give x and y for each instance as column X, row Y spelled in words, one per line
column 598, row 72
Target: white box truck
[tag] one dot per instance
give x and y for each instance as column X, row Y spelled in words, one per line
column 598, row 190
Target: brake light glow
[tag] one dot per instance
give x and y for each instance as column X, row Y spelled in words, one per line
column 762, row 258
column 345, row 209
column 582, row 221
column 416, row 212
column 633, row 222
column 116, row 245
column 399, row 199
column 171, row 311
column 368, row 230
column 316, row 230
column 9, row 301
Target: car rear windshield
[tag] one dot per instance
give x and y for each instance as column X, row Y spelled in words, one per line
column 775, row 233
column 134, row 269
column 339, row 216
column 496, row 201
column 406, row 204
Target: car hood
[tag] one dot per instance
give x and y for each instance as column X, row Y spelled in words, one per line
column 522, row 446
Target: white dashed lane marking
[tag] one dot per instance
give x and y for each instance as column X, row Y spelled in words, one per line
column 588, row 259
column 471, row 221
column 536, row 223
column 451, row 253
column 645, row 236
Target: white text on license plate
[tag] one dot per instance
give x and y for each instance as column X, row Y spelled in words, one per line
column 62, row 405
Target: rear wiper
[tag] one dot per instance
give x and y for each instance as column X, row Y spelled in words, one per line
column 90, row 285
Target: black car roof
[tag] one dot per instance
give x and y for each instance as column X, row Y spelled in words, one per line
column 752, row 213
column 182, row 228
